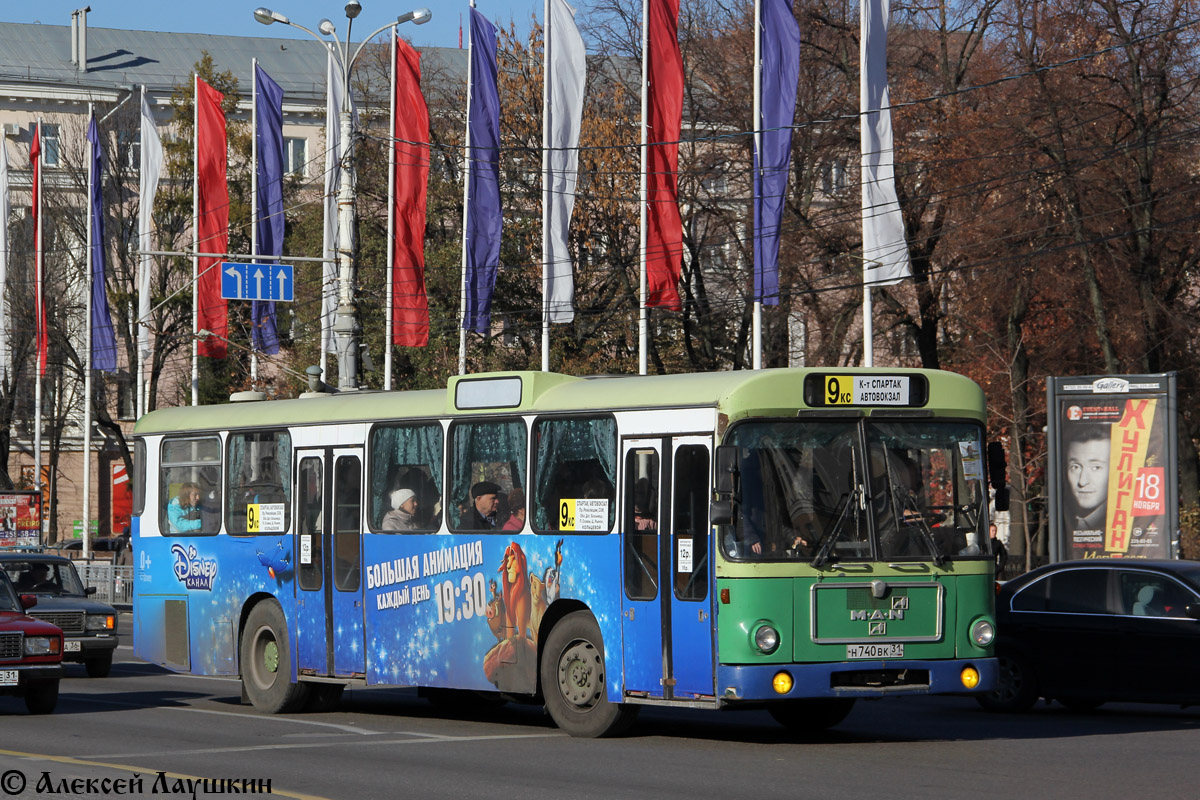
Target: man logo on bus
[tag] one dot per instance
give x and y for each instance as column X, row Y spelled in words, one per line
column 877, row 629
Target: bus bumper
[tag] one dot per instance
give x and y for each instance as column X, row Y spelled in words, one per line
column 857, row 679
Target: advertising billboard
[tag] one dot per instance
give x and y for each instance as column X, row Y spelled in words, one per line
column 20, row 519
column 1112, row 479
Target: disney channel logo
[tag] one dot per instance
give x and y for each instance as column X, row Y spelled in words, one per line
column 191, row 570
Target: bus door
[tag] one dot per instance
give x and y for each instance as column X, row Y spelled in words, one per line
column 329, row 610
column 666, row 612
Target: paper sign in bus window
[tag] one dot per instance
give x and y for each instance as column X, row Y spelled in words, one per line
column 583, row 515
column 683, row 558
column 264, row 518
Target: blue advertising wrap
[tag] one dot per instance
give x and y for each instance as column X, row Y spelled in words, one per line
column 484, row 216
column 461, row 611
column 780, row 75
column 104, row 341
column 268, row 205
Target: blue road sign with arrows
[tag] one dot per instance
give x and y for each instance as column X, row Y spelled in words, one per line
column 257, row 281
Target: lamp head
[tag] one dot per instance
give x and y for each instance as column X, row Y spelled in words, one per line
column 326, row 27
column 353, row 9
column 266, row 16
column 418, row 16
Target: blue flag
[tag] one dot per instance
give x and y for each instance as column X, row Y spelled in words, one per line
column 268, row 205
column 780, row 76
column 104, row 341
column 484, row 218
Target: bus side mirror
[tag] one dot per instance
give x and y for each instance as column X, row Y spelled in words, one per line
column 727, row 470
column 725, row 491
column 998, row 474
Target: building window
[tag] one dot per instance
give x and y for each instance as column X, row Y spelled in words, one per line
column 295, row 153
column 50, row 145
column 833, row 177
column 129, row 145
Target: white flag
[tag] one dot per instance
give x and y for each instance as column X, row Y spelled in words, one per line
column 568, row 73
column 885, row 252
column 151, row 168
column 333, row 175
column 4, row 210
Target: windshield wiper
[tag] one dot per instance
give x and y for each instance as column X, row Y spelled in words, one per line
column 831, row 535
column 908, row 503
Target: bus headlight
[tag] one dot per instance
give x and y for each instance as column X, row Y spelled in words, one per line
column 766, row 639
column 41, row 645
column 782, row 682
column 983, row 632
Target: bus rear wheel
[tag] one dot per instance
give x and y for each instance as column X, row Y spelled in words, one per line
column 573, row 680
column 813, row 715
column 266, row 660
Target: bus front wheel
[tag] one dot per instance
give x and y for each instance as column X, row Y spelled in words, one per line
column 573, row 680
column 266, row 661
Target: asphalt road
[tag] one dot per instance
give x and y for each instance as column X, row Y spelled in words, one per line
column 143, row 721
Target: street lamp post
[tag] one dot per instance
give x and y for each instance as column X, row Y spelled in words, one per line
column 345, row 325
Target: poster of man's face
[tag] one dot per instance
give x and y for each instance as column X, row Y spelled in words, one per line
column 1087, row 474
column 1112, row 454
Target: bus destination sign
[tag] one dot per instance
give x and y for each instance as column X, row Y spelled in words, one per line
column 833, row 391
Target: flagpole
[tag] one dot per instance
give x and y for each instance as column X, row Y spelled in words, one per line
column 195, row 238
column 144, row 263
column 87, row 348
column 462, row 329
column 546, row 181
column 643, row 318
column 41, row 299
column 253, row 204
column 390, row 314
column 758, row 183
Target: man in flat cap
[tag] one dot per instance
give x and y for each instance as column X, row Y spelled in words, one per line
column 485, row 502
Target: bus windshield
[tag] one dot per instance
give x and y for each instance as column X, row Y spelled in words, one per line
column 858, row 490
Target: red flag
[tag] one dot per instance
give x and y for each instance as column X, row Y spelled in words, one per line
column 42, row 337
column 664, row 229
column 410, row 308
column 212, row 210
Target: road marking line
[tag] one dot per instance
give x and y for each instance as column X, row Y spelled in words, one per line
column 418, row 738
column 140, row 771
column 239, row 715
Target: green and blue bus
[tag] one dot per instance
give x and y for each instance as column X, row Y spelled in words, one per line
column 787, row 539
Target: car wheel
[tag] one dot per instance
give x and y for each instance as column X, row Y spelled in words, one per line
column 1016, row 686
column 806, row 717
column 41, row 697
column 266, row 662
column 1081, row 705
column 100, row 666
column 574, row 680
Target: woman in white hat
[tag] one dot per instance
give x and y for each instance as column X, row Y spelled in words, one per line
column 402, row 517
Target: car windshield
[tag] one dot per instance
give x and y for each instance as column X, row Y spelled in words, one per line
column 8, row 598
column 857, row 490
column 36, row 576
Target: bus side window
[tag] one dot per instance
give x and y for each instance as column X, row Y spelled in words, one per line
column 576, row 459
column 194, row 462
column 406, row 457
column 259, row 486
column 487, row 461
column 689, row 521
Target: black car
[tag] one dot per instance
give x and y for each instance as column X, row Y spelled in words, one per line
column 1088, row 632
column 89, row 626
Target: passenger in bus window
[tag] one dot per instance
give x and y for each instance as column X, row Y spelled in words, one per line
column 403, row 516
column 183, row 512
column 643, row 506
column 516, row 503
column 485, row 502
